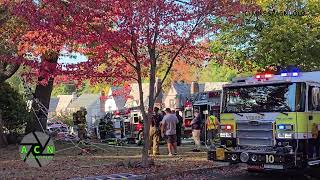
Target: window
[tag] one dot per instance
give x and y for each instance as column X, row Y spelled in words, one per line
column 135, row 118
column 171, row 103
column 314, row 98
column 282, row 97
column 188, row 113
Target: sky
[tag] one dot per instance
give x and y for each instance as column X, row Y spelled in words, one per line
column 71, row 58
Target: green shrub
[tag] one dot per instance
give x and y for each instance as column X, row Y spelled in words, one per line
column 13, row 108
column 65, row 118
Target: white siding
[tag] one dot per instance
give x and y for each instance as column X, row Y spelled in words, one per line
column 110, row 104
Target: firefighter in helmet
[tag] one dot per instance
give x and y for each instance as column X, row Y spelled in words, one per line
column 79, row 119
column 212, row 126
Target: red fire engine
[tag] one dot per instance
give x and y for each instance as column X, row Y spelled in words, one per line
column 187, row 118
column 204, row 102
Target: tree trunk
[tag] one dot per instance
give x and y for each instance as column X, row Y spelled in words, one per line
column 145, row 155
column 147, row 117
column 43, row 94
column 3, row 138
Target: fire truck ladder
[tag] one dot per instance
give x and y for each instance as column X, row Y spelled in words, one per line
column 34, row 104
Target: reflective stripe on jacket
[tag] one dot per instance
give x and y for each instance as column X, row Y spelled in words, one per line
column 212, row 122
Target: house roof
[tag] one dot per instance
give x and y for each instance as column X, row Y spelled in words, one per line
column 181, row 88
column 64, row 101
column 53, row 104
column 133, row 100
column 85, row 100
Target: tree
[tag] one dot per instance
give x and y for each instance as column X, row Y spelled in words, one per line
column 14, row 114
column 10, row 28
column 43, row 90
column 278, row 33
column 63, row 89
column 130, row 38
column 215, row 72
column 184, row 72
column 31, row 44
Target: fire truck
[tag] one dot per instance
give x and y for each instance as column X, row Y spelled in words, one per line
column 203, row 102
column 270, row 122
column 136, row 126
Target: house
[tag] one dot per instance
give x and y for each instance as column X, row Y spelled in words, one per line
column 115, row 99
column 58, row 105
column 211, row 86
column 53, row 106
column 180, row 92
column 92, row 104
column 177, row 95
column 133, row 101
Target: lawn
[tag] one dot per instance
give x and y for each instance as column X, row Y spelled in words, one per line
column 71, row 162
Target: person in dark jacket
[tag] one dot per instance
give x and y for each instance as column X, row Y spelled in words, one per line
column 102, row 129
column 155, row 132
column 196, row 130
column 179, row 126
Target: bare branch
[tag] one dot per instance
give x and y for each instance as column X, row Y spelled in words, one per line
column 115, row 49
column 199, row 20
column 133, row 46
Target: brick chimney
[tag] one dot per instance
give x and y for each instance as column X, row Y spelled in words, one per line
column 194, row 87
column 103, row 99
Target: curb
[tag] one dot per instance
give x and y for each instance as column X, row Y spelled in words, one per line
column 196, row 171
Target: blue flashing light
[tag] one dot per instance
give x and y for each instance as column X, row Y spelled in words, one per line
column 288, row 127
column 295, row 74
column 282, row 127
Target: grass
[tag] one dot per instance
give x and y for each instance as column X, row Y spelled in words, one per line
column 102, row 160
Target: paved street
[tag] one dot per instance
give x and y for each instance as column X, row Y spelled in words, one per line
column 239, row 173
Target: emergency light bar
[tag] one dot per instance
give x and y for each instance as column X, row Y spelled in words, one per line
column 294, row 73
column 264, row 76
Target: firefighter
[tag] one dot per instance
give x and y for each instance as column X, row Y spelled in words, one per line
column 212, row 124
column 81, row 114
column 155, row 132
column 196, row 130
column 179, row 126
column 102, row 129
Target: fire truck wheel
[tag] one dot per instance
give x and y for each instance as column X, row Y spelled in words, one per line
column 314, row 172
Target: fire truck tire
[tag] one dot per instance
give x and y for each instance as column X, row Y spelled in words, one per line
column 253, row 171
column 314, row 172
